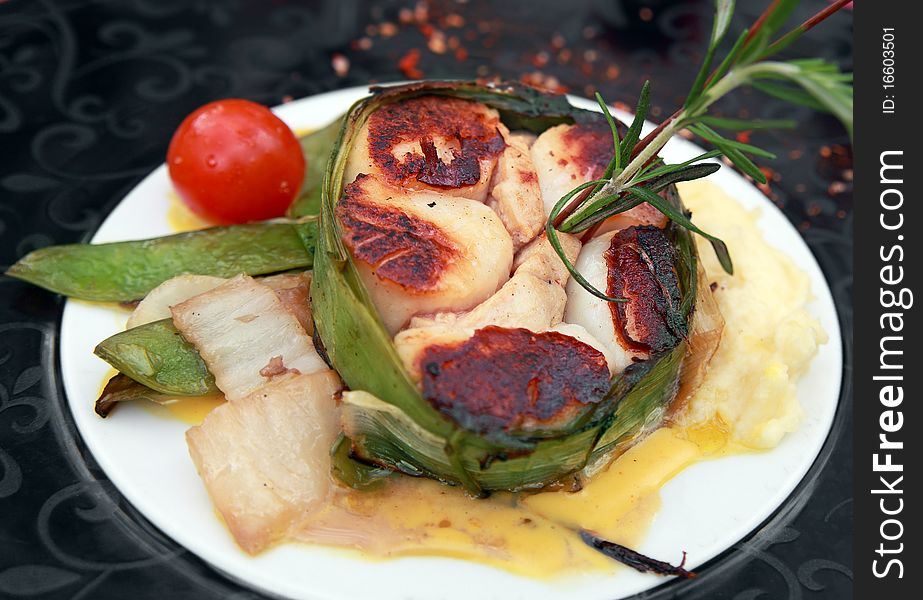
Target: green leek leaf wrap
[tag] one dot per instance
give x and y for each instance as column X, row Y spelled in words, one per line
column 392, row 425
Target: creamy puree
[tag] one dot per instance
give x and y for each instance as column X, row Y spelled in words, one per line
column 769, row 337
column 746, row 401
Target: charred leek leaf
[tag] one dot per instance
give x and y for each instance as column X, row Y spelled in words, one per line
column 122, row 388
column 127, row 271
column 389, row 423
column 156, row 356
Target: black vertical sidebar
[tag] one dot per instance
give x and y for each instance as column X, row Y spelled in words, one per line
column 888, row 266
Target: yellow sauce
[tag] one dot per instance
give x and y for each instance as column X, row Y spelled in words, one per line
column 180, row 218
column 535, row 535
column 191, row 410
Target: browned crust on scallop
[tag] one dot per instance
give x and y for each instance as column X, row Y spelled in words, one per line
column 641, row 269
column 589, row 147
column 425, row 119
column 505, row 379
column 399, row 247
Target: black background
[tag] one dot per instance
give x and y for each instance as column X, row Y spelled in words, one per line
column 90, row 92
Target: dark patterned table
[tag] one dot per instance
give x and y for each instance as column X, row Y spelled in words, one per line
column 90, row 92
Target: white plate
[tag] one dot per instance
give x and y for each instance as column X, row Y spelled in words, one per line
column 146, row 458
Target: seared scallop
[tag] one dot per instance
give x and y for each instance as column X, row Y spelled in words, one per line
column 636, row 264
column 566, row 156
column 421, row 252
column 430, row 143
column 503, row 379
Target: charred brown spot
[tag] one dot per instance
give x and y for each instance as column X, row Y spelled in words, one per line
column 471, row 130
column 590, row 147
column 275, row 367
column 641, row 269
column 465, row 169
column 399, row 247
column 528, row 177
column 508, row 379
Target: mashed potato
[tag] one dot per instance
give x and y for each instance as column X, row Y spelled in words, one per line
column 769, row 337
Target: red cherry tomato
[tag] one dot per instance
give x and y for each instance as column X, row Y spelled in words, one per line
column 233, row 161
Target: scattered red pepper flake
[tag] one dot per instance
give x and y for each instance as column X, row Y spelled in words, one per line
column 436, row 43
column 387, row 29
column 646, row 14
column 408, row 64
column 340, row 64
column 837, row 187
column 454, row 20
column 543, row 81
column 421, row 12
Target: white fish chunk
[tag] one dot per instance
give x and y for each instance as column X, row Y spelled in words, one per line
column 239, row 328
column 265, row 458
column 156, row 305
column 294, row 291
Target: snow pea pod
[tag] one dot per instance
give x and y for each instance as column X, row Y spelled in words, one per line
column 157, row 356
column 127, row 271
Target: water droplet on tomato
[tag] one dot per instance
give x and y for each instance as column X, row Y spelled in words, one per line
column 284, row 187
column 211, row 161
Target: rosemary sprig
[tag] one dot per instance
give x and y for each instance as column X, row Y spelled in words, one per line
column 635, row 174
